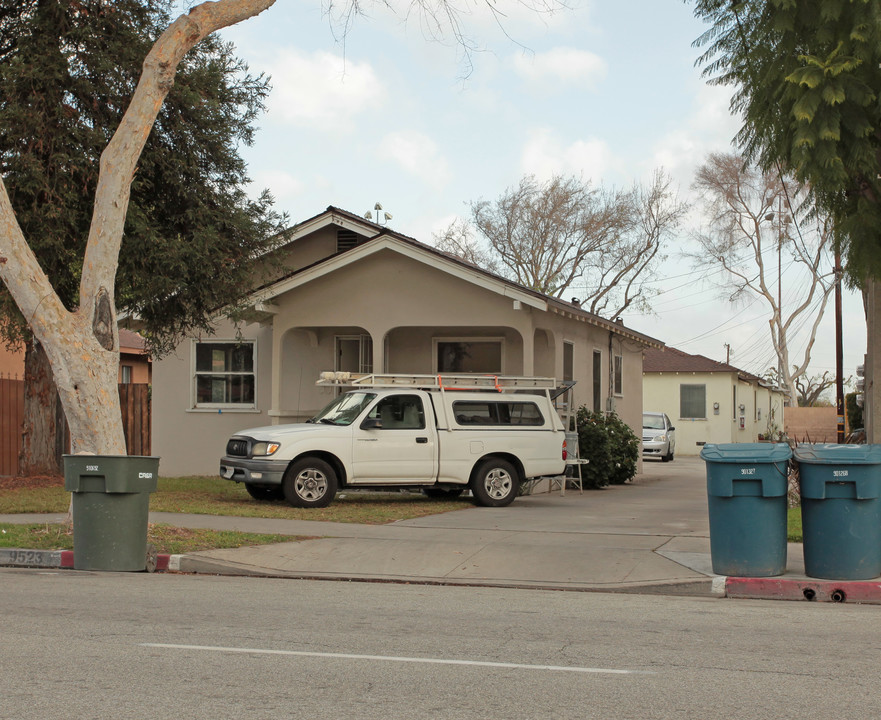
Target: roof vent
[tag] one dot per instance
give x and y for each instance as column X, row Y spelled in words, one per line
column 346, row 239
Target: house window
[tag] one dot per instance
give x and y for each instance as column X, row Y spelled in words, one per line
column 568, row 361
column 224, row 375
column 619, row 375
column 125, row 374
column 597, row 380
column 478, row 355
column 693, row 402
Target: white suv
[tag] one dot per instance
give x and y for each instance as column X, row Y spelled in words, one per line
column 658, row 437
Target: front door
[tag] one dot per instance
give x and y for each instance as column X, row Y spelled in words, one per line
column 402, row 446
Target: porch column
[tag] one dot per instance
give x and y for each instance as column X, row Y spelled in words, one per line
column 378, row 336
column 275, row 376
column 528, row 351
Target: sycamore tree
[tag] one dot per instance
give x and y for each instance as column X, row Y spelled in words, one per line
column 567, row 235
column 67, row 72
column 81, row 341
column 772, row 248
column 77, row 328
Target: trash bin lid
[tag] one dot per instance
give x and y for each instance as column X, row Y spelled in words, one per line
column 834, row 454
column 746, row 452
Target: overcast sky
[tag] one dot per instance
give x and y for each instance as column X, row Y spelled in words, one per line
column 606, row 90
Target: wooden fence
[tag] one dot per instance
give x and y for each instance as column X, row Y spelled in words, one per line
column 133, row 398
column 11, row 414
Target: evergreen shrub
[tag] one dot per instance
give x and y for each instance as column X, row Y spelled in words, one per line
column 609, row 445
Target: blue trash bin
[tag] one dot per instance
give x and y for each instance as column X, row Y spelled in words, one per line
column 747, row 485
column 841, row 510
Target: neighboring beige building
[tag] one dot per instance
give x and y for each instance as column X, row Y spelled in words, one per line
column 708, row 401
column 343, row 293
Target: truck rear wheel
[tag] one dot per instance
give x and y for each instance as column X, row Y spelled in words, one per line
column 310, row 482
column 495, row 483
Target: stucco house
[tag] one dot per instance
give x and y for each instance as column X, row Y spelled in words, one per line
column 708, row 401
column 343, row 293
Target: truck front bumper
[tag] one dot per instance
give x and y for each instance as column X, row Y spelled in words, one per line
column 253, row 472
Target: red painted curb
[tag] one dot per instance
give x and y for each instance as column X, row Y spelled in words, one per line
column 867, row 592
column 67, row 559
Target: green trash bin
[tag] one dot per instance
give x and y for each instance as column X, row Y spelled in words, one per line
column 111, row 506
column 841, row 510
column 747, row 485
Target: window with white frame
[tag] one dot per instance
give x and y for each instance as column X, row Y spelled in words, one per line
column 224, row 374
column 468, row 355
column 619, row 375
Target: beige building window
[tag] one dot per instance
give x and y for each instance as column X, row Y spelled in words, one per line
column 468, row 355
column 224, row 374
column 693, row 402
column 619, row 375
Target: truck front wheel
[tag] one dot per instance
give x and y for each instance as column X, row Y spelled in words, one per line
column 495, row 483
column 310, row 482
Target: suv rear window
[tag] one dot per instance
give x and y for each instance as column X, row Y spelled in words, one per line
column 471, row 412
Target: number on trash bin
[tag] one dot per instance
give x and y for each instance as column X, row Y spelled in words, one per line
column 747, row 471
column 839, row 473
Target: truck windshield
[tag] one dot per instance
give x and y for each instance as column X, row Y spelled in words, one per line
column 345, row 409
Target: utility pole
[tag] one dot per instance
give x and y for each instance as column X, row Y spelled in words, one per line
column 727, row 353
column 839, row 351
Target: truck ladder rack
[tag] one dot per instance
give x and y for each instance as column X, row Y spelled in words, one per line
column 444, row 381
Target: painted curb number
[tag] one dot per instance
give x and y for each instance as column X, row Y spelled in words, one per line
column 30, row 557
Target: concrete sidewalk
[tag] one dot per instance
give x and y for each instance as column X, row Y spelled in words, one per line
column 649, row 536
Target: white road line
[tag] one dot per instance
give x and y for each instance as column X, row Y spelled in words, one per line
column 392, row 658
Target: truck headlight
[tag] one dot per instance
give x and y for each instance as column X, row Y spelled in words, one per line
column 264, row 448
column 660, row 438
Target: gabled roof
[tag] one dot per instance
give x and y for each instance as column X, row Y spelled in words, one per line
column 382, row 238
column 672, row 360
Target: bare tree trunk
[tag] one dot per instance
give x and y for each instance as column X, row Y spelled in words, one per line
column 43, row 436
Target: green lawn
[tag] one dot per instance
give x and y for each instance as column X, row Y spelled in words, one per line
column 793, row 525
column 213, row 496
column 166, row 538
column 205, row 496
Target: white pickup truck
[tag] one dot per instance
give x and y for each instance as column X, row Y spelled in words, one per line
column 441, row 434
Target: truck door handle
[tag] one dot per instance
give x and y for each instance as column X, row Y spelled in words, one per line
column 422, row 440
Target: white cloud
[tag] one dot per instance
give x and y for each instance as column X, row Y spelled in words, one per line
column 708, row 127
column 321, row 89
column 418, row 155
column 283, row 185
column 562, row 65
column 545, row 155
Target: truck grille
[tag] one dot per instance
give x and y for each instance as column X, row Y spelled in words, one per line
column 237, row 447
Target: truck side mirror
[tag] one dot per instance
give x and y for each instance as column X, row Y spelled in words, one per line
column 371, row 424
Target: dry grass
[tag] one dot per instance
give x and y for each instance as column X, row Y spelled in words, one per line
column 213, row 496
